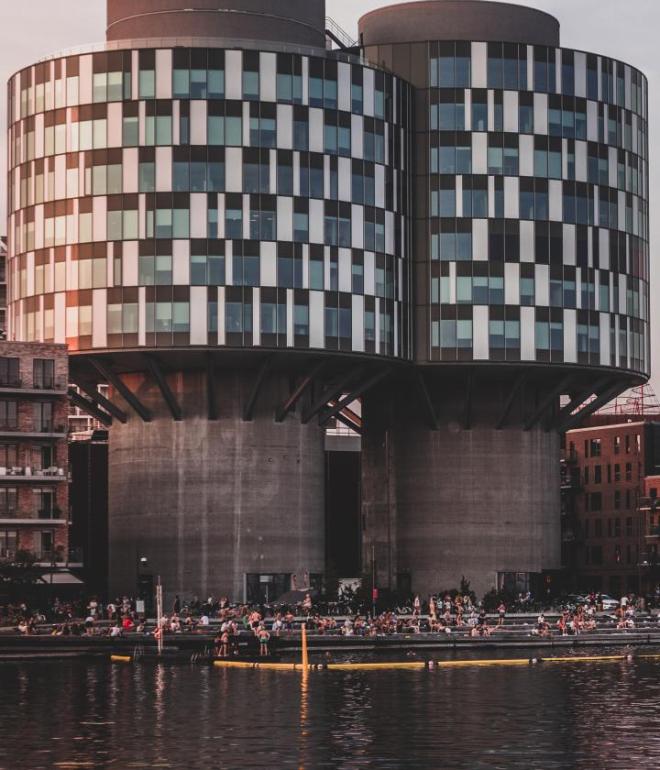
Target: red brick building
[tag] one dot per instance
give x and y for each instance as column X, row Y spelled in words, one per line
column 608, row 467
column 34, row 510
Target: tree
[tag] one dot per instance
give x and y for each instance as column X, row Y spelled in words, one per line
column 20, row 572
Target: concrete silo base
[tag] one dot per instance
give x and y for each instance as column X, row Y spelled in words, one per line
column 439, row 505
column 210, row 502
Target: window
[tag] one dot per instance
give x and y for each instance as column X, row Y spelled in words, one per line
column 43, row 373
column 263, row 217
column 263, row 125
column 234, row 216
column 8, row 543
column 8, row 498
column 289, row 79
column 8, row 415
column 598, row 474
column 251, row 75
column 147, row 74
column 9, row 372
column 450, row 65
column 628, row 471
column 43, row 417
column 256, row 171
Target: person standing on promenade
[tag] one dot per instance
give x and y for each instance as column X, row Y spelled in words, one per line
column 264, row 638
column 417, row 605
column 502, row 613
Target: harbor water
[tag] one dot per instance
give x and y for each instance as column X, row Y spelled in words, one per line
column 85, row 714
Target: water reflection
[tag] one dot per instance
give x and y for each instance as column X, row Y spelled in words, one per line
column 582, row 717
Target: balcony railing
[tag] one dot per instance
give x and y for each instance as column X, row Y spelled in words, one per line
column 17, row 471
column 11, row 382
column 50, row 514
column 42, row 384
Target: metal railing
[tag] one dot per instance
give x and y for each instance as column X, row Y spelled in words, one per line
column 338, row 34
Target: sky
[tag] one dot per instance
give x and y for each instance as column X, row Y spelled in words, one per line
column 32, row 29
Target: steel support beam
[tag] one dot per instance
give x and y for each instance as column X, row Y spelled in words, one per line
column 582, row 396
column 330, row 394
column 250, row 404
column 518, row 385
column 358, row 391
column 427, row 402
column 211, row 388
column 89, row 407
column 592, row 406
column 547, row 402
column 169, row 397
column 298, row 393
column 100, row 400
column 131, row 399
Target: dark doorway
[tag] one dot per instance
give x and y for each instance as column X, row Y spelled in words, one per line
column 343, row 515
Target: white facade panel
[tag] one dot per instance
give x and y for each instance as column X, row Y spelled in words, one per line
column 316, row 320
column 480, row 332
column 198, row 315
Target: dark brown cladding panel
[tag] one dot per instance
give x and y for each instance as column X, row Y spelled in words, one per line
column 458, row 20
column 297, row 22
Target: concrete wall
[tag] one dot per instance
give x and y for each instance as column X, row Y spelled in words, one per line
column 458, row 20
column 458, row 501
column 207, row 502
column 300, row 22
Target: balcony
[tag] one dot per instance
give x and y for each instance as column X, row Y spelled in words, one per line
column 17, row 474
column 50, row 514
column 44, row 388
column 42, row 431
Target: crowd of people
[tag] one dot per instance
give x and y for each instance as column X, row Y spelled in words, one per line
column 446, row 614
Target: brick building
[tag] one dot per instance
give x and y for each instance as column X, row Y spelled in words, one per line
column 3, row 287
column 34, row 511
column 607, row 515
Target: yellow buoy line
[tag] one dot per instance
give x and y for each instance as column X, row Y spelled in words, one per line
column 432, row 665
column 416, row 665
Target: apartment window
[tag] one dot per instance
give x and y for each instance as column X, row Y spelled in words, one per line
column 43, row 416
column 598, row 474
column 617, row 472
column 598, row 528
column 8, row 502
column 597, row 555
column 8, row 543
column 9, row 372
column 43, row 373
column 628, row 471
column 44, row 503
column 628, row 445
column 595, row 447
column 629, row 526
column 43, row 545
column 596, row 501
column 8, row 415
column 617, row 499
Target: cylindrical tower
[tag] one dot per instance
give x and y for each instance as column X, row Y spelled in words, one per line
column 296, row 22
column 216, row 227
column 531, row 286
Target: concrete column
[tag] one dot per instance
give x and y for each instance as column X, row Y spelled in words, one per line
column 209, row 502
column 460, row 501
